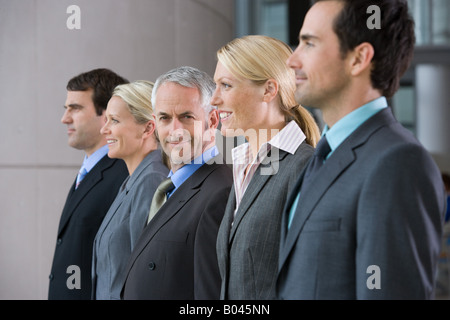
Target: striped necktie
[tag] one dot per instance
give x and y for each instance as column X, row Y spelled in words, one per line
column 81, row 174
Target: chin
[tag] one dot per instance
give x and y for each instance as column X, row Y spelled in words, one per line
column 113, row 155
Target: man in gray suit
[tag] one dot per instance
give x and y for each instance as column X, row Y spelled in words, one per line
column 367, row 224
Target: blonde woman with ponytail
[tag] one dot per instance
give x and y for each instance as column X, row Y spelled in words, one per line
column 255, row 96
column 130, row 133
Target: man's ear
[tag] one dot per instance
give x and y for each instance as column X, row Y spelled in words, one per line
column 361, row 58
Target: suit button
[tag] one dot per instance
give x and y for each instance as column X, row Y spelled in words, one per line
column 59, row 241
column 152, row 266
column 50, row 276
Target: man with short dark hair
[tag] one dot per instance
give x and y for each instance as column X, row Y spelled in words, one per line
column 366, row 219
column 94, row 189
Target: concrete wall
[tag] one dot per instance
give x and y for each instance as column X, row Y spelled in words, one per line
column 139, row 39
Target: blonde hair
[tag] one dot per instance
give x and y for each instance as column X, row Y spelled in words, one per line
column 259, row 58
column 138, row 96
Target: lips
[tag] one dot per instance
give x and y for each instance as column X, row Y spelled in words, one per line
column 300, row 77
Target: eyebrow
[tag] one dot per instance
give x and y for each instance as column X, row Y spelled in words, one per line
column 74, row 106
column 221, row 79
column 179, row 115
column 306, row 37
column 113, row 115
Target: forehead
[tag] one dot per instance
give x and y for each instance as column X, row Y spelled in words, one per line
column 172, row 97
column 83, row 98
column 116, row 105
column 221, row 72
column 320, row 18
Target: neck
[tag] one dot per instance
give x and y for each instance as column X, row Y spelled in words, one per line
column 176, row 166
column 134, row 160
column 89, row 151
column 339, row 108
column 264, row 134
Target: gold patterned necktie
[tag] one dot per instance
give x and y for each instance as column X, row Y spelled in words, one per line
column 160, row 197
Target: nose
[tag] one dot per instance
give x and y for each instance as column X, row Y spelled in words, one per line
column 105, row 129
column 294, row 61
column 215, row 99
column 175, row 125
column 66, row 118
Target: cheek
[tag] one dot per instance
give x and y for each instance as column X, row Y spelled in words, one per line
column 161, row 132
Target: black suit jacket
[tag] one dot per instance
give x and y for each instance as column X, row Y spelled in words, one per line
column 175, row 256
column 82, row 215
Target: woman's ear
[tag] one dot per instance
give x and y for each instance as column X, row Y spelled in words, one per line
column 149, row 128
column 271, row 90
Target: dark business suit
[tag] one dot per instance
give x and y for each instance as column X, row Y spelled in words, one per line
column 371, row 216
column 248, row 250
column 175, row 257
column 82, row 215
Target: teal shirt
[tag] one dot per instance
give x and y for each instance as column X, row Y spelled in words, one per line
column 343, row 129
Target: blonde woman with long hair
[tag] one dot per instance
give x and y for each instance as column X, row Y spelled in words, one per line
column 255, row 96
column 130, row 132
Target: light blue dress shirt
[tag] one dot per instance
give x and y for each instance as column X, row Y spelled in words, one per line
column 343, row 129
column 182, row 174
column 92, row 160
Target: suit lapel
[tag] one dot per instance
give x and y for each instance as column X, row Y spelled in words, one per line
column 254, row 188
column 227, row 220
column 317, row 188
column 76, row 196
column 173, row 206
column 339, row 161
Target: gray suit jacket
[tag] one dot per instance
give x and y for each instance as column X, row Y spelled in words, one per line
column 248, row 249
column 369, row 226
column 122, row 226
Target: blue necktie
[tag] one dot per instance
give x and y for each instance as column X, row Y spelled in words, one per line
column 81, row 174
column 320, row 154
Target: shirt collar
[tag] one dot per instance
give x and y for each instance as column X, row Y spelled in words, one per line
column 93, row 159
column 187, row 170
column 288, row 139
column 348, row 124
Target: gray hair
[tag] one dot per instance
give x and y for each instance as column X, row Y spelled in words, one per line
column 189, row 77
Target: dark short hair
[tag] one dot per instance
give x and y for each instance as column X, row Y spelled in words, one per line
column 101, row 81
column 393, row 43
column 446, row 179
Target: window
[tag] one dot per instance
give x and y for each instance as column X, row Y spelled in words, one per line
column 267, row 17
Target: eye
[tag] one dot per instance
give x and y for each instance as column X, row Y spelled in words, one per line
column 226, row 85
